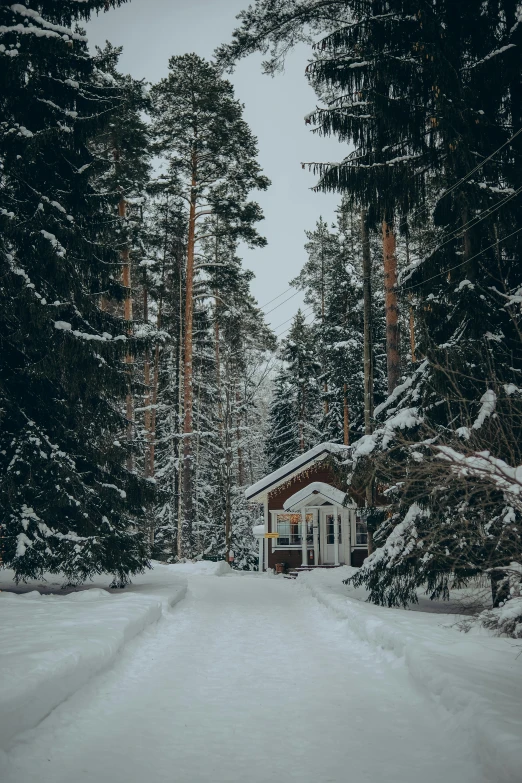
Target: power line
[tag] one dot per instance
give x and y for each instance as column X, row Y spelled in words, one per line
column 282, row 303
column 465, row 178
column 457, row 233
column 291, row 318
column 261, row 307
column 445, row 271
column 288, row 328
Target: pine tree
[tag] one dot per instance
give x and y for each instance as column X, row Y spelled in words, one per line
column 343, row 336
column 282, row 444
column 162, row 284
column 231, row 347
column 295, row 413
column 211, row 158
column 241, row 342
column 68, row 503
column 124, row 149
column 314, row 279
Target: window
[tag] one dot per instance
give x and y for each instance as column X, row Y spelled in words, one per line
column 330, row 533
column 361, row 533
column 289, row 529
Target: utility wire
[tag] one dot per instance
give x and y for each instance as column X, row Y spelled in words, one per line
column 289, row 327
column 465, row 178
column 262, row 307
column 473, row 222
column 291, row 318
column 445, row 271
column 282, row 303
column 459, row 232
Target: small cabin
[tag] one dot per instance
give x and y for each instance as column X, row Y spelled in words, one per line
column 307, row 521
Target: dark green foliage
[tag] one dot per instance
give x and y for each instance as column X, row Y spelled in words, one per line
column 198, row 127
column 429, row 96
column 332, row 282
column 67, row 503
column 295, row 412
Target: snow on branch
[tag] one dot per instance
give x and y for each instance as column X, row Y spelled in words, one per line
column 483, row 465
column 487, row 408
column 65, row 326
column 495, row 53
column 55, row 29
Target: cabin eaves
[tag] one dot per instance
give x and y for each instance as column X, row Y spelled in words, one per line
column 258, row 491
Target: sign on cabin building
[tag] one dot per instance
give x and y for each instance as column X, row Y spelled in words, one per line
column 306, row 520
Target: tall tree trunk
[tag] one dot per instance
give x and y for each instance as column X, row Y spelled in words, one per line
column 392, row 312
column 228, row 518
column 188, row 391
column 147, row 384
column 127, row 315
column 368, row 351
column 410, row 298
column 346, row 418
column 179, row 538
column 196, row 471
column 218, row 373
column 151, row 467
column 326, row 405
column 154, row 398
column 240, row 471
column 228, row 463
column 153, row 392
column 249, row 450
column 368, row 347
column 412, row 332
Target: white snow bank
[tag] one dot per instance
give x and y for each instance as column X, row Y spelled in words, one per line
column 476, row 677
column 202, row 568
column 52, row 644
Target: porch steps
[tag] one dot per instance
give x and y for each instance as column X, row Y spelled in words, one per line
column 294, row 573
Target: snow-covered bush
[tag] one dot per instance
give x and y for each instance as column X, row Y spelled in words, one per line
column 505, row 620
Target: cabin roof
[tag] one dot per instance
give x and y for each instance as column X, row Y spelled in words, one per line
column 317, row 453
column 317, row 491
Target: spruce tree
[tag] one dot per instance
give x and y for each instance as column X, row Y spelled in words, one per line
column 68, row 503
column 430, row 98
column 295, row 412
column 343, row 337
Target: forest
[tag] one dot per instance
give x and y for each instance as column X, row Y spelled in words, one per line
column 141, row 387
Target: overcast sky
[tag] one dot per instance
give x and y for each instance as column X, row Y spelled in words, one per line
column 151, row 31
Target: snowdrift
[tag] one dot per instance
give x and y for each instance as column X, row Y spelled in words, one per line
column 53, row 644
column 477, row 678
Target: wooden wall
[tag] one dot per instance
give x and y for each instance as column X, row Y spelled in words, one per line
column 293, row 556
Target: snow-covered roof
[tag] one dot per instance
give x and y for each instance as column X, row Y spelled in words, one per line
column 312, row 455
column 317, row 491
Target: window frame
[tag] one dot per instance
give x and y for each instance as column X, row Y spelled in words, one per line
column 358, row 520
column 327, row 534
column 273, row 527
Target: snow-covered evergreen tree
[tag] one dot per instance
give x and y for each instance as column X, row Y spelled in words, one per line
column 439, row 152
column 296, row 409
column 68, row 503
column 210, row 155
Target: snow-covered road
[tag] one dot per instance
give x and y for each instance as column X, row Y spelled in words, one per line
column 249, row 680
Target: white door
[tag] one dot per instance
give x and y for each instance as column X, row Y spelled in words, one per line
column 327, row 535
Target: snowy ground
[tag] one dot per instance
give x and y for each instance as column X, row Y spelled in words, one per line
column 53, row 644
column 251, row 679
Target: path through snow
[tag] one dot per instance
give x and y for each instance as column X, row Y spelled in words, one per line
column 248, row 680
